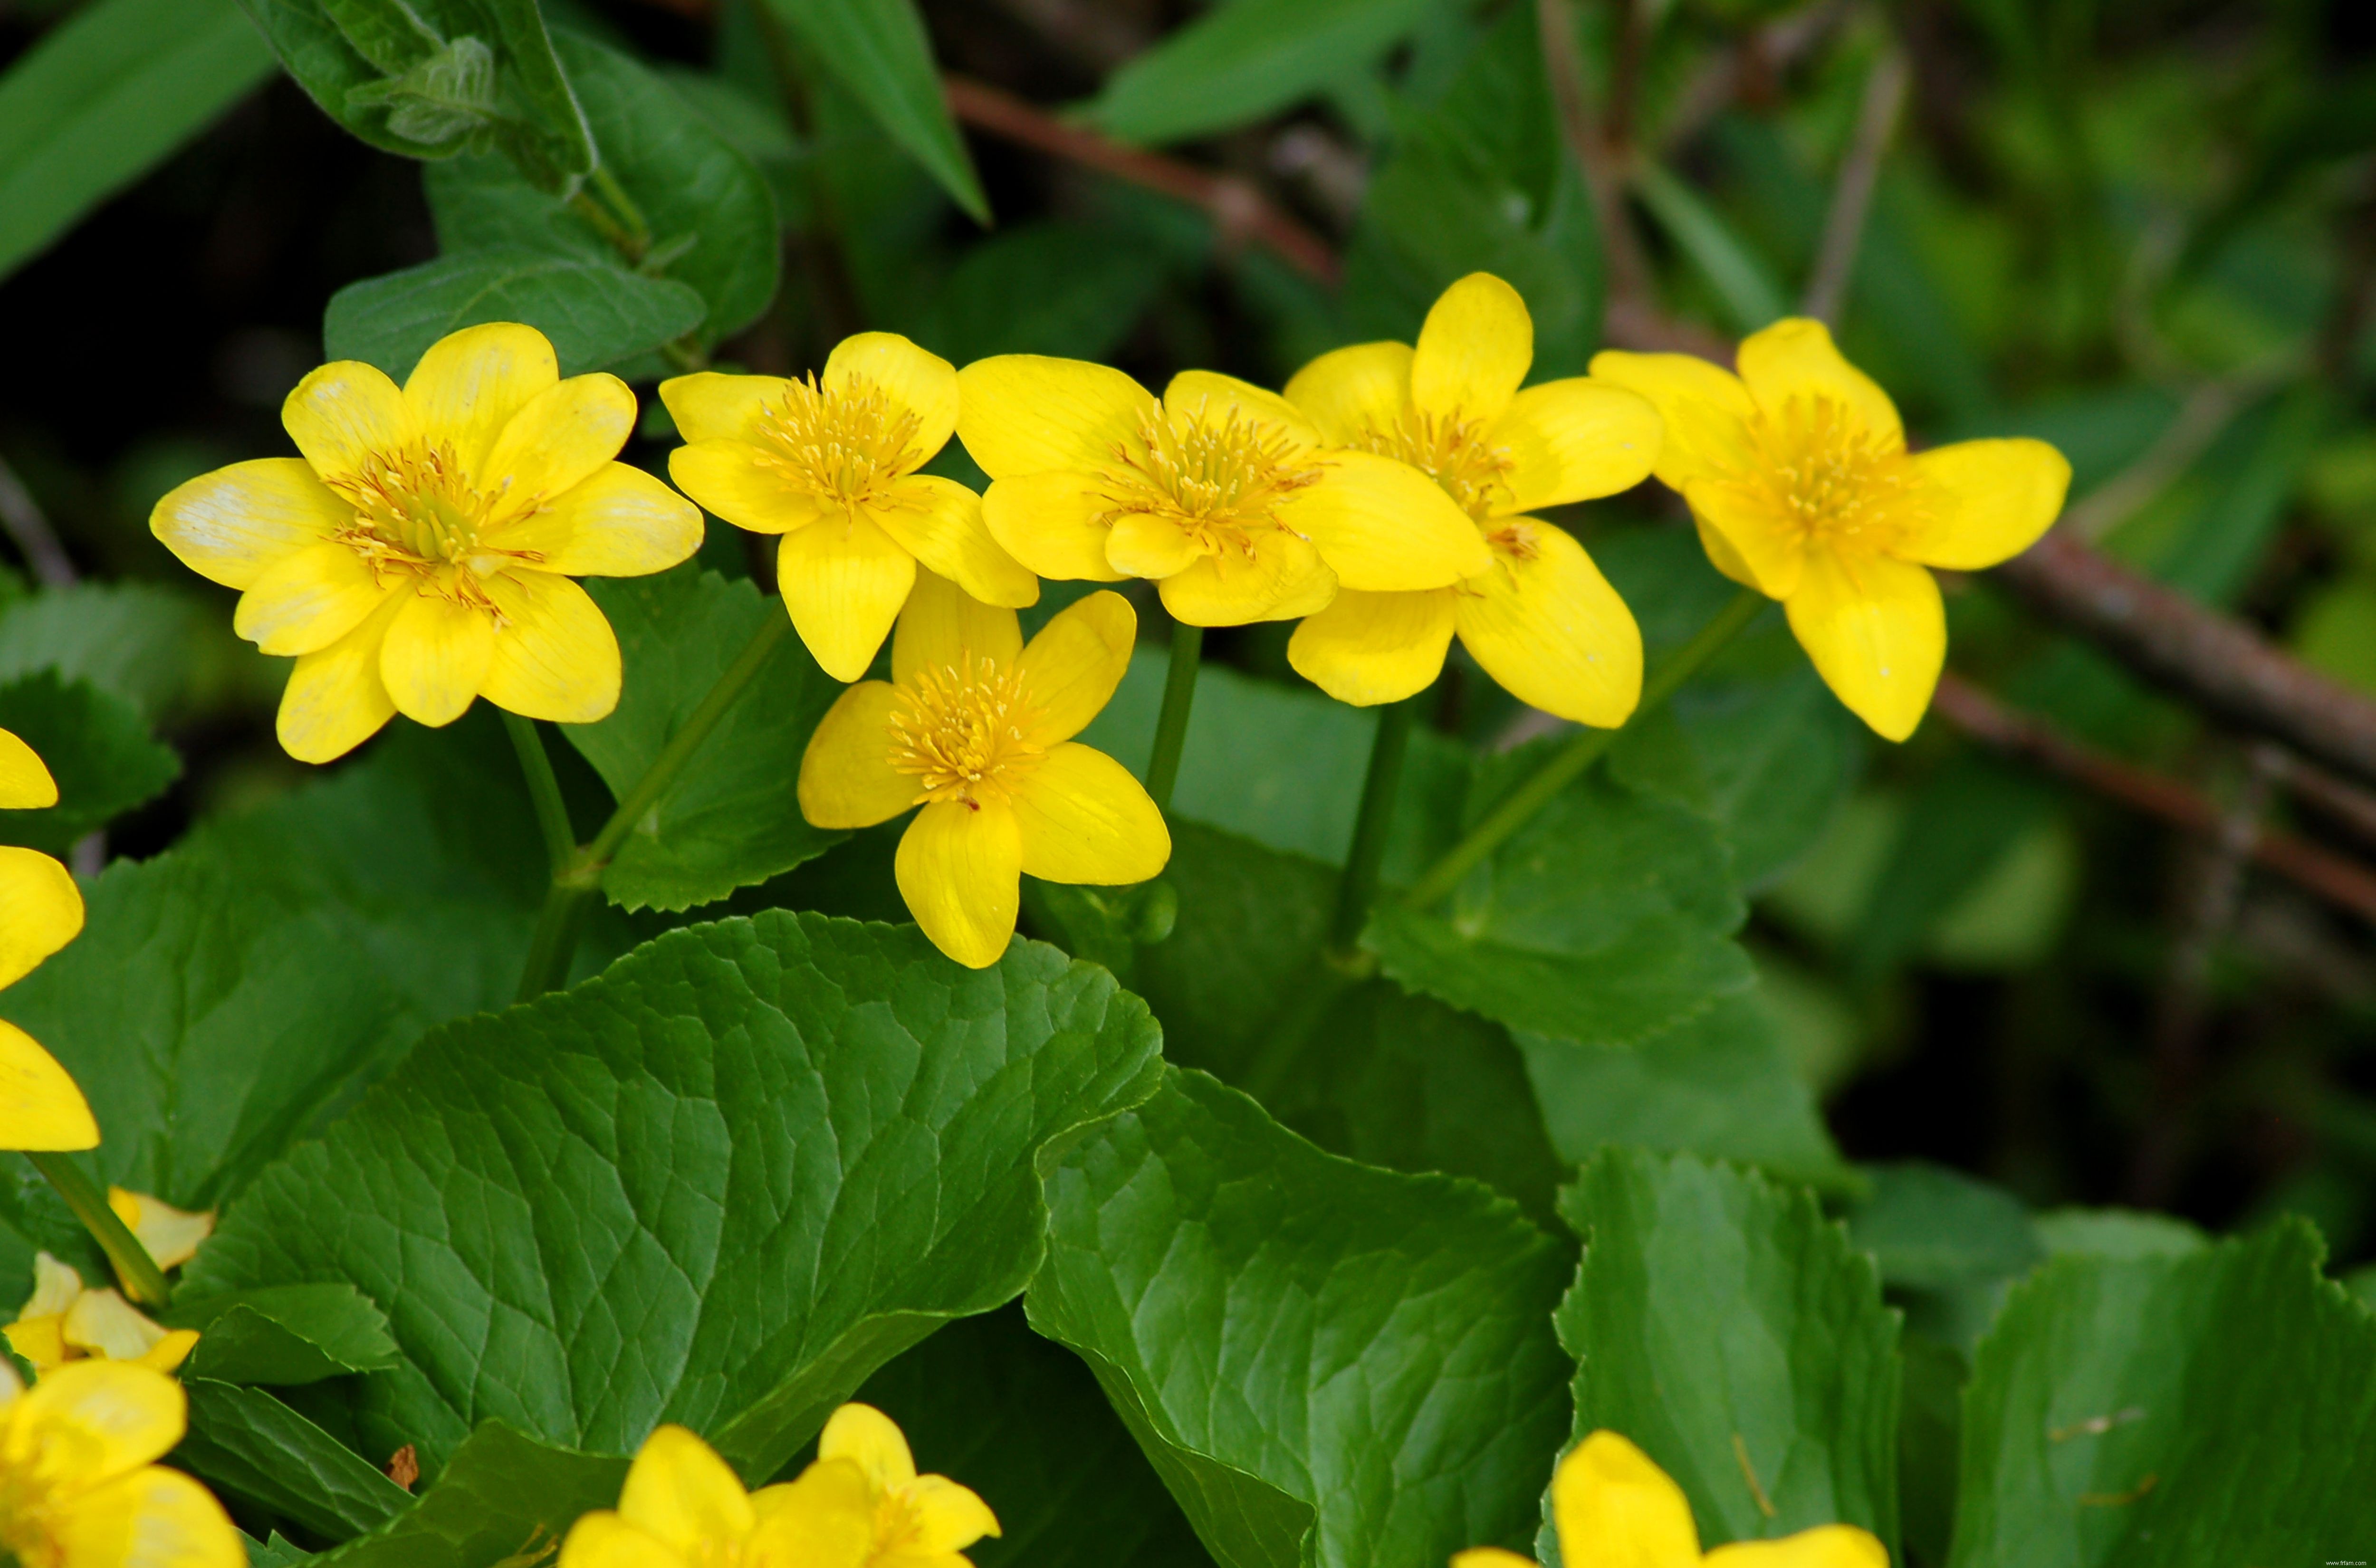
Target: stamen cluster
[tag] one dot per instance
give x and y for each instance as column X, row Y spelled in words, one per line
column 962, row 727
column 848, row 444
column 1451, row 451
column 1834, row 479
column 1215, row 478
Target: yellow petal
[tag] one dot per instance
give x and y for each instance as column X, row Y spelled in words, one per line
column 344, row 411
column 824, row 1519
column 1084, row 818
column 1384, row 526
column 40, row 1107
column 1209, row 397
column 309, row 600
column 1826, row 1546
column 436, row 658
column 847, row 780
column 471, row 383
column 171, row 1235
column 1762, row 540
column 712, row 406
column 233, row 525
column 152, row 1518
column 1574, row 440
column 1722, row 555
column 56, row 1287
column 871, row 1439
column 958, row 868
column 683, row 1494
column 1796, row 358
column 1987, row 502
column 41, row 1340
column 843, row 582
column 1072, row 668
column 938, row 521
column 945, row 1517
column 1028, row 415
column 945, row 628
column 41, row 910
column 1473, row 349
column 1284, row 580
column 555, row 656
column 25, row 781
column 172, row 1347
column 733, row 480
column 334, row 701
column 1140, row 545
column 1877, row 633
column 602, row 1539
column 1347, row 393
column 1051, row 523
column 1366, row 648
column 619, row 523
column 113, row 1416
column 1490, row 1557
column 1553, row 632
column 568, row 433
column 106, row 1324
column 915, row 382
column 1704, row 410
column 1615, row 1509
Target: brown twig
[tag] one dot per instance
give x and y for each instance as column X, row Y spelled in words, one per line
column 2339, row 881
column 1766, row 52
column 1630, row 284
column 29, row 528
column 2207, row 410
column 1884, row 96
column 1240, row 210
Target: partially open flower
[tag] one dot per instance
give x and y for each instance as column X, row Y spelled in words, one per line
column 66, row 1321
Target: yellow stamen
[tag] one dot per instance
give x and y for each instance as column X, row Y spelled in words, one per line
column 848, row 444
column 1451, row 451
column 1218, row 480
column 961, row 733
column 416, row 514
column 1836, row 481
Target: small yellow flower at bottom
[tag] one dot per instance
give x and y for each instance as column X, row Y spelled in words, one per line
column 41, row 910
column 64, row 1321
column 860, row 1504
column 1614, row 1508
column 77, row 1487
column 419, row 555
column 1797, row 472
column 978, row 729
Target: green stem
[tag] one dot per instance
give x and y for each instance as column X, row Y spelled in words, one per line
column 1379, row 789
column 1172, row 724
column 576, row 878
column 1519, row 806
column 143, row 1280
column 543, row 789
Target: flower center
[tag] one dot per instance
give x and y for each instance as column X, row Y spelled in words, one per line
column 27, row 1532
column 1451, row 451
column 1217, row 479
column 960, row 733
column 417, row 512
column 848, row 444
column 1834, row 480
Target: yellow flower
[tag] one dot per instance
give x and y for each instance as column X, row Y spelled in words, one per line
column 860, row 1504
column 830, row 463
column 1798, row 474
column 1613, row 1508
column 78, row 1489
column 171, row 1235
column 419, row 553
column 64, row 1321
column 1539, row 617
column 976, row 729
column 41, row 911
column 1224, row 494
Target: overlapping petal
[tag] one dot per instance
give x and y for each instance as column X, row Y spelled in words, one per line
column 335, row 701
column 1350, row 392
column 1083, row 818
column 1474, row 349
column 41, row 1105
column 943, row 628
column 1366, row 648
column 1208, row 397
column 566, row 433
column 682, row 1494
column 1796, row 358
column 113, row 1418
column 847, row 780
column 1547, row 626
column 1759, row 537
column 1877, row 633
column 939, row 523
column 468, row 385
column 1384, row 526
column 236, row 524
column 913, row 379
column 555, row 656
column 602, row 1539
column 435, row 656
column 843, row 583
column 1140, row 544
column 1071, row 669
column 343, row 412
column 618, row 522
column 1574, row 440
column 152, row 1518
column 710, row 405
column 1053, row 524
column 1030, row 414
column 734, row 480
column 1986, row 502
column 1703, row 409
column 1282, row 579
column 960, row 868
column 311, row 599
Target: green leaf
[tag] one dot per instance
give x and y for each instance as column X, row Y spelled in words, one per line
column 285, row 1335
column 1054, row 288
column 1023, row 1424
column 1744, row 282
column 1726, row 1327
column 718, row 1183
column 877, row 52
column 2214, row 1405
column 504, row 1497
column 132, row 639
column 1247, row 59
column 711, row 221
column 1328, row 1363
column 1932, row 1228
column 276, row 1551
column 731, row 819
column 97, row 746
column 245, row 1442
column 597, row 314
column 105, row 97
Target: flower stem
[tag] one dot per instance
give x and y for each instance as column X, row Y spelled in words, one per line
column 543, row 789
column 1519, row 806
column 1172, row 724
column 579, row 876
column 143, row 1280
column 1358, row 883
